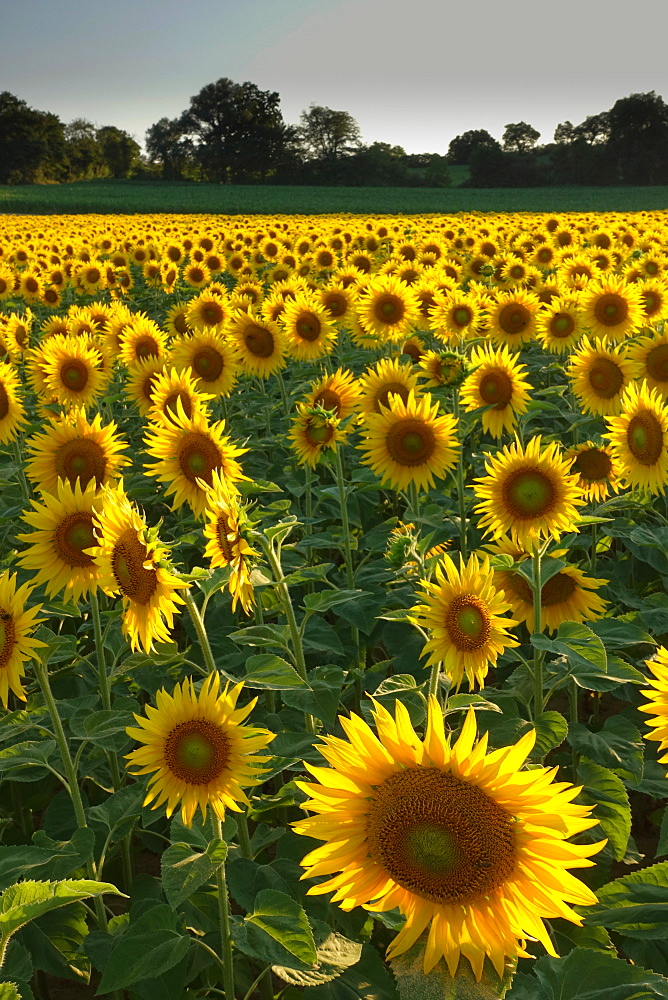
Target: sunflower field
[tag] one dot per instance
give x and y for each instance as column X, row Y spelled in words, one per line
column 333, row 565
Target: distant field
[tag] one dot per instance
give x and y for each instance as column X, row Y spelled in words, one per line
column 130, row 197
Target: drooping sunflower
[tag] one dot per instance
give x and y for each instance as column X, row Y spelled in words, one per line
column 639, row 439
column 71, row 448
column 308, row 328
column 453, row 837
column 559, row 325
column 528, row 494
column 498, row 382
column 512, row 318
column 612, row 308
column 227, row 531
column 130, row 561
column 312, row 432
column 259, row 343
column 16, row 644
column 387, row 308
column 388, row 376
column 58, row 547
column 210, row 358
column 597, row 470
column 657, row 705
column 169, row 388
column 464, row 618
column 599, row 374
column 410, row 442
column 12, row 410
column 72, row 371
column 443, row 368
column 188, row 449
column 339, row 392
column 198, row 751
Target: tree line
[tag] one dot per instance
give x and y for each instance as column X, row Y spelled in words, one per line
column 234, row 133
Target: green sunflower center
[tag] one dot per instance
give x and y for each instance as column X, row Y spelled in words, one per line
column 318, row 433
column 432, row 848
column 389, row 308
column 462, row 316
column 529, row 493
column 496, row 388
column 259, row 341
column 593, row 465
column 81, row 459
column 644, row 437
column 308, row 327
column 468, row 623
column 514, row 318
column 75, row 375
column 208, row 363
column 410, row 442
column 606, row 378
column 562, row 325
column 72, row 536
column 198, row 457
column 146, row 347
column 611, row 309
column 196, row 752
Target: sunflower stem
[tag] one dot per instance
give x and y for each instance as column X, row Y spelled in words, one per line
column 284, row 397
column 224, row 916
column 20, row 472
column 594, row 546
column 537, row 592
column 359, row 654
column 573, row 706
column 434, row 678
column 198, row 622
column 461, row 497
column 308, row 527
column 243, row 836
column 71, row 775
column 413, row 505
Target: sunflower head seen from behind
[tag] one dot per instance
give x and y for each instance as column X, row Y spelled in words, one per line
column 197, row 750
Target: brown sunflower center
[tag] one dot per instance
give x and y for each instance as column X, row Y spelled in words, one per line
column 197, row 751
column 412, row 350
column 559, row 588
column 308, row 327
column 222, row 531
column 127, row 560
column 317, row 433
column 335, row 303
column 656, row 363
column 439, row 836
column 208, row 363
column 259, row 341
column 644, row 437
column 468, row 622
column 611, row 309
column 81, row 459
column 7, row 637
column 496, row 388
column 562, row 325
column 171, row 403
column 461, row 316
column 410, row 442
column 514, row 318
column 651, row 303
column 179, row 322
column 198, row 457
column 606, row 378
column 212, row 314
column 389, row 309
column 383, row 396
column 593, row 465
column 147, row 347
column 4, row 402
column 528, row 493
column 72, row 536
column 329, row 400
column 74, row 375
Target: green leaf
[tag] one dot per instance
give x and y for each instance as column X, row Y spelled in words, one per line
column 585, row 974
column 271, row 673
column 662, row 848
column 284, row 921
column 462, row 702
column 618, row 745
column 45, row 857
column 184, row 870
column 9, row 991
column 246, row 878
column 322, row 700
column 605, row 791
column 618, row 634
column 326, row 599
column 549, row 567
column 119, row 812
column 151, row 945
column 262, row 635
column 583, row 650
column 617, row 901
column 551, row 730
column 333, row 956
column 26, row 760
column 55, row 941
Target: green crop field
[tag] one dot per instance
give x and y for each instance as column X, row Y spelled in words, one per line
column 129, row 197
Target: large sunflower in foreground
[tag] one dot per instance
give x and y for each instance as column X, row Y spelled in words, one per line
column 58, row 547
column 459, row 840
column 599, row 374
column 639, row 439
column 498, row 383
column 612, row 308
column 12, row 410
column 188, row 449
column 197, row 750
column 463, row 616
column 130, row 562
column 71, row 448
column 226, row 531
column 16, row 645
column 410, row 442
column 528, row 494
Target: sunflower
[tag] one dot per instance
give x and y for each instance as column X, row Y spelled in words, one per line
column 198, row 749
column 639, row 439
column 529, row 494
column 569, row 595
column 140, row 383
column 463, row 616
column 612, row 308
column 71, row 448
column 414, row 347
column 210, row 358
column 130, row 561
column 227, row 531
column 559, row 325
column 445, row 368
column 388, row 376
column 176, row 322
column 189, row 449
column 12, row 410
column 308, row 328
column 657, row 705
column 259, row 344
column 208, row 311
column 410, row 442
column 651, row 356
column 597, row 470
column 599, row 375
column 57, row 549
column 169, row 388
column 312, row 431
column 339, row 303
column 450, row 835
column 72, row 371
column 387, row 308
column 499, row 384
column 339, row 392
column 654, row 300
column 16, row 645
column 16, row 333
column 142, row 338
column 512, row 318
column 196, row 274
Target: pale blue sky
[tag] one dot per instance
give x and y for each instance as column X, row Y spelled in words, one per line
column 412, row 72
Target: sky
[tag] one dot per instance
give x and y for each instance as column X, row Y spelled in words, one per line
column 414, row 73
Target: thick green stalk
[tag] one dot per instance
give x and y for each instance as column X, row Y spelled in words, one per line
column 461, row 497
column 281, row 386
column 224, row 918
column 243, row 836
column 23, row 482
column 203, row 638
column 594, row 546
column 360, row 654
column 413, row 506
column 434, row 677
column 537, row 591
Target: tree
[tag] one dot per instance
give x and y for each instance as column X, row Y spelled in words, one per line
column 463, row 146
column 595, row 129
column 519, row 137
column 32, row 143
column 638, row 139
column 120, row 151
column 84, row 153
column 166, row 145
column 565, row 132
column 328, row 134
column 236, row 129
